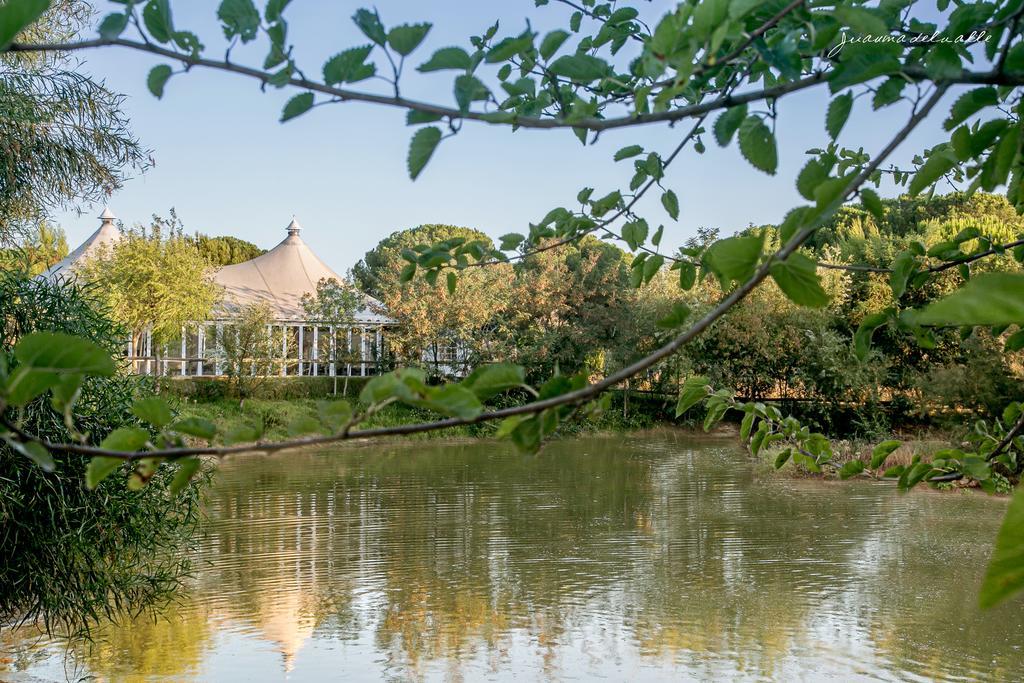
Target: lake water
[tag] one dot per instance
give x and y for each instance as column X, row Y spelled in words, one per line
column 647, row 557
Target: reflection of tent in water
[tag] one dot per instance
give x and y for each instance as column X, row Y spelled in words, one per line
column 288, row 623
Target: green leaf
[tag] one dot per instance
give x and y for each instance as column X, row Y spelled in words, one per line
column 627, row 152
column 863, row 62
column 851, row 468
column 98, row 469
column 408, row 273
column 406, row 38
column 275, row 8
column 127, row 439
column 863, row 21
column 782, row 458
column 487, row 381
column 526, row 435
column 872, row 203
column 240, row 18
column 695, row 390
column 635, row 233
column 838, row 113
column 580, row 68
column 862, row 337
column 1015, row 342
column 369, row 23
column 454, row 400
column 552, row 42
column 158, row 79
column 297, row 106
column 734, row 258
column 17, row 15
column 511, row 241
column 902, row 268
column 943, row 62
column 987, row 299
column 969, row 104
column 187, row 467
column 1005, row 574
column 882, row 451
column 302, row 425
column 156, row 15
column 452, row 281
column 888, row 92
column 912, row 476
column 447, row 58
column 66, row 391
column 757, row 143
column 677, row 318
column 424, row 142
column 195, row 426
column 728, row 123
column 242, row 434
column 113, row 25
column 63, row 353
column 671, row 204
column 25, row 384
column 469, row 89
column 810, row 177
column 334, row 414
column 941, row 161
column 349, row 66
column 508, row 48
column 797, row 277
column 34, row 451
column 153, row 410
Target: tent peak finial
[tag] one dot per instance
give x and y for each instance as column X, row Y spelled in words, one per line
column 107, row 216
column 294, row 228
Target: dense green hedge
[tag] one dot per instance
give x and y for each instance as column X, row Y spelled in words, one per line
column 216, row 388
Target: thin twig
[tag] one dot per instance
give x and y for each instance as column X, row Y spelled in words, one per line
column 992, row 77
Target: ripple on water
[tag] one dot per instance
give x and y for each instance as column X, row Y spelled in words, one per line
column 656, row 557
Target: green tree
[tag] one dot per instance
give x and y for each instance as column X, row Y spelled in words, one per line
column 439, row 326
column 41, row 247
column 154, row 279
column 71, row 556
column 64, row 139
column 248, row 349
column 226, row 250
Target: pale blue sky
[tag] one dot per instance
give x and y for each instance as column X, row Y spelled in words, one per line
column 228, row 167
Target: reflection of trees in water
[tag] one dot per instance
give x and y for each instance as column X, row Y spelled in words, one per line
column 448, row 554
column 171, row 645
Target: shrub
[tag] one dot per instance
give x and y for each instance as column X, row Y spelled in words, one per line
column 69, row 556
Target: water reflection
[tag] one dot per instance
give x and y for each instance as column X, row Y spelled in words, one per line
column 658, row 557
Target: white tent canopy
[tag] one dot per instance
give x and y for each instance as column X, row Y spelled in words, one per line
column 280, row 278
column 105, row 237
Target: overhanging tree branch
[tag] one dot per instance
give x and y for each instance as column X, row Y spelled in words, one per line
column 571, row 398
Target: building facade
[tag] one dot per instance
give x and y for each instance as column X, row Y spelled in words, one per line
column 278, row 280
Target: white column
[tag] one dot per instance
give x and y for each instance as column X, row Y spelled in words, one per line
column 302, row 331
column 316, row 350
column 184, row 352
column 363, row 350
column 379, row 350
column 149, row 352
column 167, row 352
column 334, row 350
column 220, row 335
column 284, row 350
column 131, row 351
column 348, row 350
column 201, row 348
